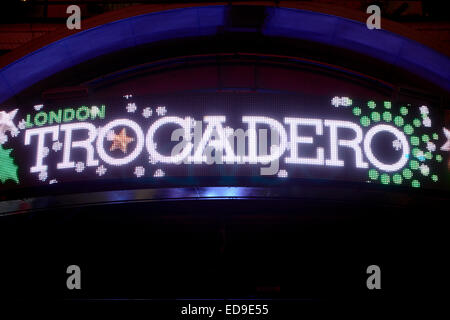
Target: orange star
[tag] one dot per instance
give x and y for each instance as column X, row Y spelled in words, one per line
column 121, row 141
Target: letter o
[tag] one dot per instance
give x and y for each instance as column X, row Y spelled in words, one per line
column 139, row 142
column 150, row 144
column 368, row 150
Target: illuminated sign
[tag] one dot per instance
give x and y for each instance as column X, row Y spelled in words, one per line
column 224, row 135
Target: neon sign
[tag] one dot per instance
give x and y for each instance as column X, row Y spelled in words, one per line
column 134, row 138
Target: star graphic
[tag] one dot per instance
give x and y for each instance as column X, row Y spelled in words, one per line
column 6, row 123
column 446, row 146
column 56, row 146
column 121, row 141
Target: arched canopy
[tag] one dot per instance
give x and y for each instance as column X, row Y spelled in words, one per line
column 303, row 25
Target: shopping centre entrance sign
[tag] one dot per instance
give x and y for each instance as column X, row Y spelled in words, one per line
column 369, row 142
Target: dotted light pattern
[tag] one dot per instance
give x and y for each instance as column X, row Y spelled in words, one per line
column 416, row 165
column 159, row 173
column 375, row 116
column 415, row 123
column 8, row 169
column 341, row 101
column 282, row 174
column 107, row 133
column 387, row 116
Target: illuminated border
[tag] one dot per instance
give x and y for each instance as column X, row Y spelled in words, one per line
column 317, row 191
column 207, row 21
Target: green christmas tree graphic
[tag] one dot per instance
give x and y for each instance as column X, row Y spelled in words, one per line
column 8, row 169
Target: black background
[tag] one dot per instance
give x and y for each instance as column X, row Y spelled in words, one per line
column 305, row 254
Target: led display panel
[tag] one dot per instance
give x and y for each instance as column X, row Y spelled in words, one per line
column 180, row 138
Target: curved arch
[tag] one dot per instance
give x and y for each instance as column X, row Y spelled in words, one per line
column 197, row 21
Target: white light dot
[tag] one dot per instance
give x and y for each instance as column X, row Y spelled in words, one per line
column 139, row 171
column 159, row 173
column 147, row 112
column 131, row 107
column 282, row 174
column 161, row 110
column 79, row 167
column 101, row 170
column 43, row 175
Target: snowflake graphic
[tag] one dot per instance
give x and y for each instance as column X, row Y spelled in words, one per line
column 79, row 167
column 427, row 122
column 161, row 110
column 336, row 102
column 53, row 181
column 38, row 107
column 56, row 146
column 343, row 101
column 424, row 169
column 346, row 101
column 147, row 112
column 282, row 174
column 101, row 170
column 43, row 175
column 431, row 146
column 22, row 124
column 45, row 151
column 15, row 132
column 159, row 173
column 424, row 110
column 131, row 107
column 397, row 144
column 139, row 171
